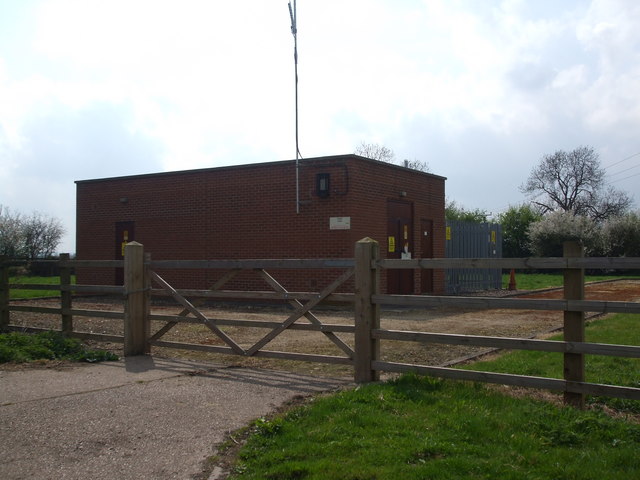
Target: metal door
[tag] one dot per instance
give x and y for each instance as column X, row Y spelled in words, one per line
column 426, row 248
column 399, row 245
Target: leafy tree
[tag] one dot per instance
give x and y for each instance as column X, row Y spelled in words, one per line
column 515, row 225
column 547, row 235
column 35, row 236
column 574, row 182
column 622, row 235
column 453, row 211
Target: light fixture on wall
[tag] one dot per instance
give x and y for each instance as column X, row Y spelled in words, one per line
column 124, row 200
column 323, row 184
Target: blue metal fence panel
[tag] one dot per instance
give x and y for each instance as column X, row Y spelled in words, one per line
column 473, row 240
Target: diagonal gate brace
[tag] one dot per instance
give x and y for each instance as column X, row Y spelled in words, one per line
column 303, row 310
column 183, row 301
column 216, row 286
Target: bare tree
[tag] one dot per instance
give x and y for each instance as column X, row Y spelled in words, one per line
column 419, row 165
column 574, row 182
column 385, row 154
column 41, row 235
column 35, row 236
column 10, row 233
column 375, row 151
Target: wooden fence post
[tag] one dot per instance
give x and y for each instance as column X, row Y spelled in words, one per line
column 574, row 324
column 367, row 314
column 136, row 319
column 65, row 294
column 4, row 294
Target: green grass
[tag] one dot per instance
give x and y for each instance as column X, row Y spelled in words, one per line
column 421, row 428
column 20, row 347
column 536, row 281
column 424, row 428
column 25, row 280
column 621, row 329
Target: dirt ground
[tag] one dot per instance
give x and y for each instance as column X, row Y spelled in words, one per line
column 504, row 323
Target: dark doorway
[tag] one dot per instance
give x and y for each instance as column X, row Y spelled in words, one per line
column 125, row 233
column 426, row 247
column 399, row 245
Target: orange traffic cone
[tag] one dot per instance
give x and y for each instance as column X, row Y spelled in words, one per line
column 512, row 280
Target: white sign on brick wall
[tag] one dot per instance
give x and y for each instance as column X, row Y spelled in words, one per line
column 340, row 223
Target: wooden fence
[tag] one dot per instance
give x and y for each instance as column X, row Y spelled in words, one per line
column 65, row 311
column 141, row 276
column 573, row 305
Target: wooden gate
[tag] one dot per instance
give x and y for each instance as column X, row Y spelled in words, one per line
column 302, row 304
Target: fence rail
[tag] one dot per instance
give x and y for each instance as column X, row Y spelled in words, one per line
column 530, row 263
column 509, row 343
column 142, row 282
column 487, row 303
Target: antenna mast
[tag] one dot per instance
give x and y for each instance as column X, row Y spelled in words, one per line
column 294, row 31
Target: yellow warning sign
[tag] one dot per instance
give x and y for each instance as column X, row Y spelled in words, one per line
column 448, row 233
column 391, row 241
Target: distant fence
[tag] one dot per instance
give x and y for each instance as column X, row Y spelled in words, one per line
column 472, row 240
column 65, row 266
column 363, row 353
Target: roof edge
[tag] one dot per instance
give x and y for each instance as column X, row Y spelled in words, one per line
column 253, row 165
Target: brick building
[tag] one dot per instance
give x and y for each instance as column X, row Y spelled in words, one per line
column 249, row 212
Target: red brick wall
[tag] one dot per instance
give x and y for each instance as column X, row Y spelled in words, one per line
column 250, row 212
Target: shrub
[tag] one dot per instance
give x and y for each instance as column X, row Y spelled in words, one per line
column 547, row 236
column 19, row 347
column 621, row 235
column 515, row 224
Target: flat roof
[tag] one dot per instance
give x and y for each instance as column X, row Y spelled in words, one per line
column 350, row 156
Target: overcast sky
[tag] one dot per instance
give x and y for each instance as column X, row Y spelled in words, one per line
column 480, row 90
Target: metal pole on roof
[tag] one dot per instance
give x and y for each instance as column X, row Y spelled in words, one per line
column 294, row 30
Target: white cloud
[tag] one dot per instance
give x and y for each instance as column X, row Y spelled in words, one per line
column 609, row 30
column 570, row 78
column 479, row 90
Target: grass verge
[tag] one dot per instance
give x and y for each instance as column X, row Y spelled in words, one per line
column 18, row 347
column 620, row 329
column 418, row 427
column 15, row 294
column 536, row 281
